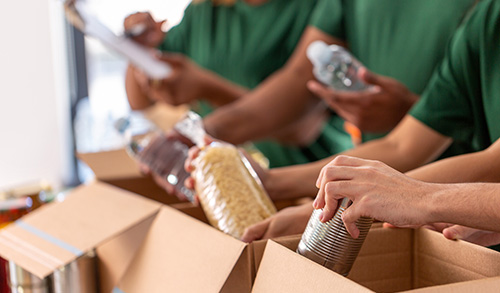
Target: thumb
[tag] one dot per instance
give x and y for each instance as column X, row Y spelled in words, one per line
column 255, row 232
column 374, row 79
column 458, row 232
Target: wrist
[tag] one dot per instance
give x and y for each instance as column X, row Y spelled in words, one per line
column 436, row 203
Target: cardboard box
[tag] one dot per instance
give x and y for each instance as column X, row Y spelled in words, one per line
column 391, row 260
column 182, row 254
column 117, row 168
column 94, row 215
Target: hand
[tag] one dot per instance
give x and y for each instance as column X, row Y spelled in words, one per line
column 194, row 152
column 289, row 221
column 153, row 34
column 374, row 110
column 185, row 84
column 157, row 158
column 377, row 191
column 476, row 236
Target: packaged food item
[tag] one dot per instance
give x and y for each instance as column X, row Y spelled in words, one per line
column 227, row 186
column 329, row 244
column 229, row 194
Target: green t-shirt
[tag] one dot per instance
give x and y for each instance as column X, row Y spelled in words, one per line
column 245, row 44
column 403, row 39
column 462, row 100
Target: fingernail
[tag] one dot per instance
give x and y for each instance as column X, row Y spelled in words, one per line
column 321, row 217
column 315, row 203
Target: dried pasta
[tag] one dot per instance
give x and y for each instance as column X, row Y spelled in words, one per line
column 231, row 198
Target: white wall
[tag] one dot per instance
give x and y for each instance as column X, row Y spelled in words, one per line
column 34, row 104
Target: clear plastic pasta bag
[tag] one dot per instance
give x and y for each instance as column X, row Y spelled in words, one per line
column 228, row 188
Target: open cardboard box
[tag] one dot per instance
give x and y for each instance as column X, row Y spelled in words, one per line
column 182, row 253
column 391, row 260
column 117, row 168
column 98, row 216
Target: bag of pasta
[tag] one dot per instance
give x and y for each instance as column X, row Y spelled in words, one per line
column 229, row 191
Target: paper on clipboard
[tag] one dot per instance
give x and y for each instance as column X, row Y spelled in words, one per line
column 138, row 55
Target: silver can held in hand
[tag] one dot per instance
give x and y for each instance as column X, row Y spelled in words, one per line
column 329, row 244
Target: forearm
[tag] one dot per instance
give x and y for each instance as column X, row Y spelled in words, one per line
column 277, row 102
column 219, row 91
column 471, row 204
column 403, row 149
column 274, row 104
column 299, row 181
column 474, row 167
column 136, row 97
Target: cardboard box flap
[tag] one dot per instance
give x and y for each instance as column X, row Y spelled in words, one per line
column 434, row 264
column 484, row 286
column 108, row 165
column 181, row 254
column 58, row 233
column 283, row 270
column 164, row 115
column 384, row 262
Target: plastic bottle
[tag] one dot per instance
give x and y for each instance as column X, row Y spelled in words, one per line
column 335, row 67
column 164, row 156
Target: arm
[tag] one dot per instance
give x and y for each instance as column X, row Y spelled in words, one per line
column 277, row 102
column 188, row 82
column 378, row 109
column 410, row 145
column 383, row 193
column 474, row 167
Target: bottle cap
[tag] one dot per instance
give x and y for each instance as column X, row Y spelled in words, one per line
column 319, row 53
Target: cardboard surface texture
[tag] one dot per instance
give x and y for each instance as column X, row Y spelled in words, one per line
column 391, row 260
column 181, row 254
column 58, row 233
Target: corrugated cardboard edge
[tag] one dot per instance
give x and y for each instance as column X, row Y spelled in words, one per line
column 461, row 261
column 116, row 254
column 487, row 285
column 191, row 240
column 112, row 164
column 151, row 208
column 283, row 270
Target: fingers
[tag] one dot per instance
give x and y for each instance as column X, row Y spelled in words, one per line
column 349, row 217
column 375, row 79
column 389, row 225
column 456, row 232
column 192, row 155
column 256, row 231
column 338, row 169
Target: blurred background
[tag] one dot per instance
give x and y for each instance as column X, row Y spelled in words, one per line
column 59, row 90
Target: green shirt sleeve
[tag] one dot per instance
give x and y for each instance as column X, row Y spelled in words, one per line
column 446, row 104
column 177, row 39
column 328, row 17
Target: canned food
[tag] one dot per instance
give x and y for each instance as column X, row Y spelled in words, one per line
column 329, row 244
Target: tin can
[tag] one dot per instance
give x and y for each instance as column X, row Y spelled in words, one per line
column 79, row 276
column 329, row 244
column 21, row 281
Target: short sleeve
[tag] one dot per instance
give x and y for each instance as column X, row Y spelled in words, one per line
column 328, row 17
column 448, row 103
column 177, row 37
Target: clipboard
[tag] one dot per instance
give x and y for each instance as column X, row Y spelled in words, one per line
column 80, row 16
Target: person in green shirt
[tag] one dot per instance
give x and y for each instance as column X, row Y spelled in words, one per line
column 231, row 48
column 400, row 42
column 460, row 103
